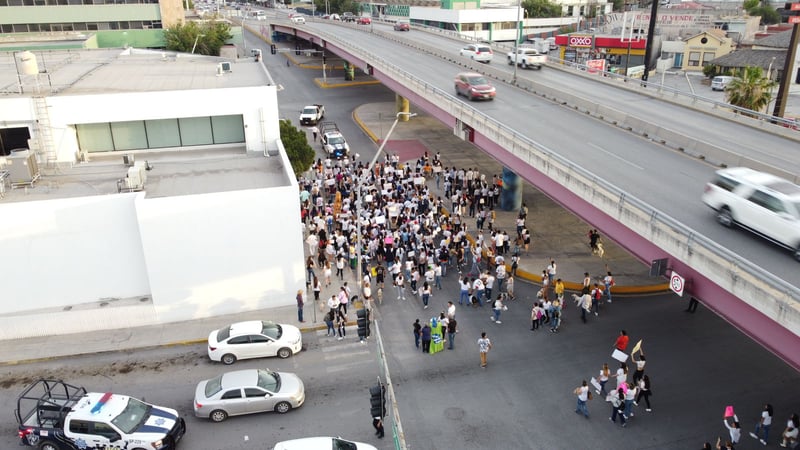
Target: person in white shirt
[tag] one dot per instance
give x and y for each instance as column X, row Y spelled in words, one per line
column 765, row 421
column 735, row 429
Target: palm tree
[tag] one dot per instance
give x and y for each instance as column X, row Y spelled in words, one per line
column 751, row 91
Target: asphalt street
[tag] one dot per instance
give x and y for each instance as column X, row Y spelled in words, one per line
column 697, row 362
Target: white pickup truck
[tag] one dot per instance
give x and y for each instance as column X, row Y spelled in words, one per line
column 312, row 114
column 526, row 57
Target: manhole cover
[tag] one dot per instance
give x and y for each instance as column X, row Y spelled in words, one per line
column 454, row 413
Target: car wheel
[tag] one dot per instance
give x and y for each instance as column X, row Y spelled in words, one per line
column 724, row 217
column 510, row 62
column 218, row 415
column 283, row 407
column 48, row 446
column 457, row 91
column 284, row 353
column 228, row 359
column 524, row 64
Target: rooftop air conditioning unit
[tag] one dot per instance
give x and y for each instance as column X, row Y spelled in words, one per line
column 22, row 167
column 136, row 177
column 225, row 67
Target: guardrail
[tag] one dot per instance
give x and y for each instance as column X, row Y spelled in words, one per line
column 765, row 292
column 676, row 139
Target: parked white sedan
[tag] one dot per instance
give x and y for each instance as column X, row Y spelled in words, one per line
column 254, row 339
column 322, row 443
column 248, row 392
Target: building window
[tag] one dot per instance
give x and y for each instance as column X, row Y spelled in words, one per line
column 708, row 56
column 694, row 59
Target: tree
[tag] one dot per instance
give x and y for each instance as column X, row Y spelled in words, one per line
column 210, row 37
column 300, row 154
column 750, row 91
column 541, row 8
column 768, row 15
column 337, row 6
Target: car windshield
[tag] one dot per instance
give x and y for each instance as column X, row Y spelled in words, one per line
column 340, row 444
column 272, row 330
column 484, row 50
column 310, row 111
column 336, row 140
column 213, row 386
column 269, row 381
column 132, row 416
column 475, row 81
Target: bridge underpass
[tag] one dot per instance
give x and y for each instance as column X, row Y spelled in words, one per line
column 765, row 311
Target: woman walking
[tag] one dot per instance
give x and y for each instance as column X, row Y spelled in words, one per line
column 536, row 316
column 644, row 391
column 310, row 270
column 498, row 308
column 326, row 272
column 316, row 286
column 426, row 294
column 764, row 422
column 603, row 379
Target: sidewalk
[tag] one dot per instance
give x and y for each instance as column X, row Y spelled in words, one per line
column 555, row 234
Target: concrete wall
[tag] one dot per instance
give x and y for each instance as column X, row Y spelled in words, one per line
column 118, row 261
column 66, row 252
column 222, row 253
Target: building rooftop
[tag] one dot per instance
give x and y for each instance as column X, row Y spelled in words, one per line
column 173, row 173
column 105, row 71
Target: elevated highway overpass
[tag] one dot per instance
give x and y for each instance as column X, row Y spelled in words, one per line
column 553, row 130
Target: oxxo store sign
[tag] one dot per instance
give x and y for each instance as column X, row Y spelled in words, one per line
column 580, row 41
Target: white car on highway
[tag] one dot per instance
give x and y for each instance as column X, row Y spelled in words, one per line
column 253, row 339
column 478, row 52
column 760, row 202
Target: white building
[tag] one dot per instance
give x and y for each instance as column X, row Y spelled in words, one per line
column 94, row 240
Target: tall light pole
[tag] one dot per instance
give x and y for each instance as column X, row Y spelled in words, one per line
column 359, row 206
column 516, row 41
column 195, row 42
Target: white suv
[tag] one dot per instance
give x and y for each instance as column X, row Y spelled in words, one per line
column 478, row 52
column 758, row 201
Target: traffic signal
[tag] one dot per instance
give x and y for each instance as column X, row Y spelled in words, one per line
column 377, row 400
column 362, row 320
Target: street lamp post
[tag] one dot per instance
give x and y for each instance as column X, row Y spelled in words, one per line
column 516, row 41
column 195, row 42
column 359, row 206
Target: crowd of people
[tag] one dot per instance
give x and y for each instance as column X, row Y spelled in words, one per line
column 627, row 394
column 409, row 239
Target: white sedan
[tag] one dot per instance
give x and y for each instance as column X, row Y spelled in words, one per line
column 253, row 339
column 248, row 392
column 322, row 443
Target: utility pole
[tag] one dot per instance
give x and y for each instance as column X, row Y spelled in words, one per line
column 786, row 77
column 651, row 32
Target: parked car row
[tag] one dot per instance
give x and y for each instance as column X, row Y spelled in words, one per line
column 54, row 415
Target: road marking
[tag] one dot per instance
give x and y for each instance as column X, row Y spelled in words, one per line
column 615, row 156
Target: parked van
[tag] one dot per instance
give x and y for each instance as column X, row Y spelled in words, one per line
column 719, row 83
column 258, row 15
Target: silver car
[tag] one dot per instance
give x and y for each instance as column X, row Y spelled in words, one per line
column 247, row 392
